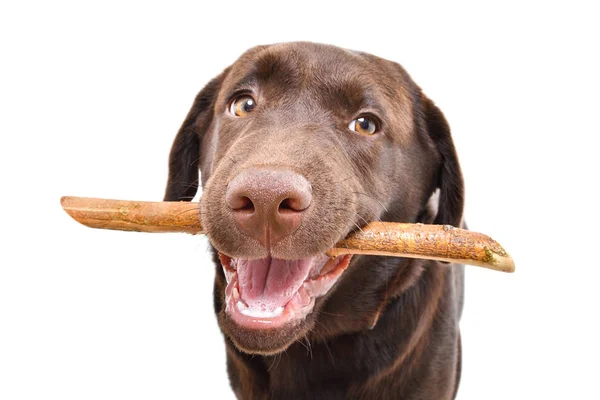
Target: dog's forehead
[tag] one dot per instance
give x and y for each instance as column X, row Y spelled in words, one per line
column 318, row 66
column 297, row 57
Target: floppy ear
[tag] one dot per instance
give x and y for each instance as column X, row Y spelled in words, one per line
column 185, row 153
column 450, row 179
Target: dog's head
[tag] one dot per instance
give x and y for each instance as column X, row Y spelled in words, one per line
column 298, row 145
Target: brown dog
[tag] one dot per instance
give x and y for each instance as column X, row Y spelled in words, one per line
column 299, row 144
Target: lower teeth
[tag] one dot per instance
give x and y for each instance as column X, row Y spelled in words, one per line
column 253, row 312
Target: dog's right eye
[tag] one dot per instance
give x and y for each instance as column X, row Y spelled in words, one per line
column 366, row 126
column 242, row 105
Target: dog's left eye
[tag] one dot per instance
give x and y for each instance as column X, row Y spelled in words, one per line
column 363, row 125
column 242, row 105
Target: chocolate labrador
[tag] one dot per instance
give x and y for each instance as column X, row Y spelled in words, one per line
column 298, row 145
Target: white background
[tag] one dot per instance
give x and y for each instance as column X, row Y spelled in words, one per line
column 91, row 97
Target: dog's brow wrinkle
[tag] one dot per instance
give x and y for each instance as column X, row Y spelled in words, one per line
column 246, row 84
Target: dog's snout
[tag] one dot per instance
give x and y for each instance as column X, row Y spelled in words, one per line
column 268, row 204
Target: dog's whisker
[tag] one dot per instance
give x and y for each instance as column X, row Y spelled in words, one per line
column 196, row 160
column 275, row 361
column 345, row 179
column 341, row 236
column 374, row 199
column 324, row 340
column 332, row 314
column 396, row 217
column 309, row 345
column 187, row 211
column 366, row 221
column 358, row 226
column 214, row 147
column 303, row 345
column 186, row 183
column 362, row 218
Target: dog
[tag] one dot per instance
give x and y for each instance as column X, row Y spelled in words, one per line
column 298, row 145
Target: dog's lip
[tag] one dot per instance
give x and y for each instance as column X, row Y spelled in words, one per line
column 319, row 282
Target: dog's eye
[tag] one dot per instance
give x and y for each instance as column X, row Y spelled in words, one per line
column 242, row 105
column 363, row 125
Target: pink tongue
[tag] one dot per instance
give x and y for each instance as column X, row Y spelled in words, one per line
column 267, row 285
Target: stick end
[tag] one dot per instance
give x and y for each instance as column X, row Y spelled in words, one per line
column 504, row 264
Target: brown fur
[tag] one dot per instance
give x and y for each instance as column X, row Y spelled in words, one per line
column 389, row 328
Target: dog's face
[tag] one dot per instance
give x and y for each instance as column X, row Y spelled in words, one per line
column 299, row 144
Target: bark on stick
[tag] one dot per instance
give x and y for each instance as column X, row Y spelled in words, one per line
column 138, row 216
column 433, row 242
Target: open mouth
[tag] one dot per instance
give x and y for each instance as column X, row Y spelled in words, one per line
column 269, row 293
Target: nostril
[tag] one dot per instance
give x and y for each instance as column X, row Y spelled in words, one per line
column 285, row 207
column 292, row 205
column 242, row 203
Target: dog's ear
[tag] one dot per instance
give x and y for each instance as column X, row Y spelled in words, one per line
column 450, row 180
column 184, row 158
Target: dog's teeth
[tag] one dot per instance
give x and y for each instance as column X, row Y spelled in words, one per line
column 236, row 293
column 255, row 313
column 241, row 306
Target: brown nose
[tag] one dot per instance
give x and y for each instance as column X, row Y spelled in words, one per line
column 268, row 204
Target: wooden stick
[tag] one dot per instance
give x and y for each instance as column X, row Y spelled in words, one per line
column 138, row 216
column 433, row 242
